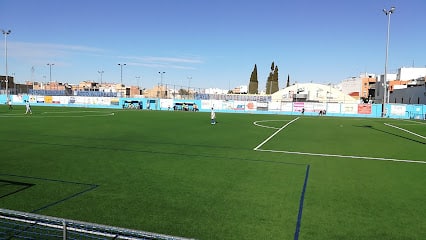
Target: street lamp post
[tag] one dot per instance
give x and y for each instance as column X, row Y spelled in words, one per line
column 5, row 33
column 161, row 83
column 385, row 83
column 101, row 72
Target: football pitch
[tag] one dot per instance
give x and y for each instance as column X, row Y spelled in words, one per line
column 251, row 176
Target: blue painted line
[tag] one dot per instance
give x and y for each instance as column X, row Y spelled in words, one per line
column 302, row 199
column 65, row 199
column 45, row 179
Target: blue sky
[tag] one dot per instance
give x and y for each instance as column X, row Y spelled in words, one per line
column 209, row 43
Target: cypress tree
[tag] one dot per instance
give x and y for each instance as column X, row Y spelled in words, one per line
column 254, row 83
column 275, row 86
column 288, row 80
column 272, row 81
column 269, row 84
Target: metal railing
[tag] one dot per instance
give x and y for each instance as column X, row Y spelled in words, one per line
column 22, row 225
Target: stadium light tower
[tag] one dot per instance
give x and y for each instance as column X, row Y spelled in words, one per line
column 137, row 80
column 121, row 77
column 6, row 33
column 101, row 72
column 50, row 71
column 386, row 92
column 161, row 83
column 189, row 83
column 121, row 71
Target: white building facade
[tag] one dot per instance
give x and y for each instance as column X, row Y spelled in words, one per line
column 312, row 92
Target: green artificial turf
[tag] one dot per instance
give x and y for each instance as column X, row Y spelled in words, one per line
column 174, row 173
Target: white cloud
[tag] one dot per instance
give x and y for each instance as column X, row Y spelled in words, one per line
column 45, row 51
column 186, row 63
column 38, row 54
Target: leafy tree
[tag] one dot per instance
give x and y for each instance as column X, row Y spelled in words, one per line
column 254, row 83
column 183, row 92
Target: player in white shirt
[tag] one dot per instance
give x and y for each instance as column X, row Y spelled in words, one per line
column 28, row 107
column 213, row 116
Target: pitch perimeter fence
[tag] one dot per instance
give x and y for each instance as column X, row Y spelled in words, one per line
column 22, row 225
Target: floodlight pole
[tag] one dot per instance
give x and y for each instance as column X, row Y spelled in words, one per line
column 386, row 92
column 161, row 83
column 101, row 72
column 189, row 84
column 121, row 77
column 121, row 72
column 50, row 71
column 137, row 80
column 6, row 33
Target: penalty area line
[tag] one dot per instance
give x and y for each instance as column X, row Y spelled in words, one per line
column 275, row 133
column 343, row 156
column 405, row 130
column 415, row 122
column 44, row 115
column 71, row 116
column 71, row 112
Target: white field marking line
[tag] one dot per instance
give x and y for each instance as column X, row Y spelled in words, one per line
column 71, row 112
column 415, row 122
column 79, row 116
column 275, row 133
column 10, row 115
column 344, row 156
column 329, row 155
column 409, row 124
column 405, row 130
column 35, row 116
column 260, row 125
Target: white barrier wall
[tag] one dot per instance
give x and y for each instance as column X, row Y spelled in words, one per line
column 403, row 111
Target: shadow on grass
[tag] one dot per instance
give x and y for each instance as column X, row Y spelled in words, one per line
column 74, row 146
column 390, row 133
column 123, row 141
